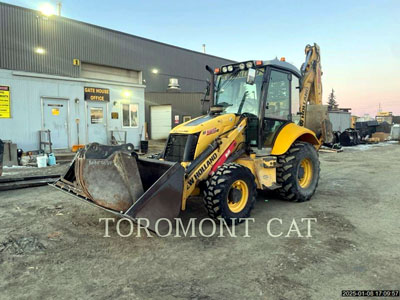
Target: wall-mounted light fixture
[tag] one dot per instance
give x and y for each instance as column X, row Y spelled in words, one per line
column 127, row 94
column 154, row 71
column 40, row 50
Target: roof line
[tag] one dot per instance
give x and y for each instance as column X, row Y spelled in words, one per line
column 120, row 32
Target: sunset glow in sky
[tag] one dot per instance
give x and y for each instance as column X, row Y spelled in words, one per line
column 359, row 40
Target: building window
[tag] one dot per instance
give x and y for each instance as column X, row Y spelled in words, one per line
column 186, row 118
column 96, row 115
column 130, row 116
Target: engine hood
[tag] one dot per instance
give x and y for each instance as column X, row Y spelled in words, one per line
column 207, row 125
column 208, row 128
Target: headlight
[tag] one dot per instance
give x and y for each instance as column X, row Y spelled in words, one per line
column 230, row 68
column 241, row 66
column 224, row 69
column 249, row 64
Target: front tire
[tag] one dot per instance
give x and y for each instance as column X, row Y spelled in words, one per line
column 298, row 172
column 230, row 193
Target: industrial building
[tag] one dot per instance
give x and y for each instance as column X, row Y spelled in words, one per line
column 86, row 83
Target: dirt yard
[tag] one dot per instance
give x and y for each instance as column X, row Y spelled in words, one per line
column 52, row 245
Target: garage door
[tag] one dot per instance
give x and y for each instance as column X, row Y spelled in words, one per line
column 160, row 121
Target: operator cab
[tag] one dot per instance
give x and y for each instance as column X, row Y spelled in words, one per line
column 266, row 92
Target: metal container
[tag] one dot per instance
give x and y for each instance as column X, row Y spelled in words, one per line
column 395, row 132
column 340, row 120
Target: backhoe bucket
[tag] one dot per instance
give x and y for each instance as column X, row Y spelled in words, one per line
column 318, row 121
column 115, row 179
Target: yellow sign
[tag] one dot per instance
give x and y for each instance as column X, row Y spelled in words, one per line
column 5, row 102
column 55, row 111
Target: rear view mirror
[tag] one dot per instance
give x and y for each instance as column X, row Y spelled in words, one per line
column 251, row 76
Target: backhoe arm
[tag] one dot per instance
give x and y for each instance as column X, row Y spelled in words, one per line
column 310, row 82
column 313, row 114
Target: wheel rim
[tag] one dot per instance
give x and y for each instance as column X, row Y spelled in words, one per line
column 305, row 173
column 236, row 201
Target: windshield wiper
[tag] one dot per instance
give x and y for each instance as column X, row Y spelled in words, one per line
column 242, row 102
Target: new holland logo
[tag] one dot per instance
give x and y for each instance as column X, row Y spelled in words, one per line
column 200, row 171
column 303, row 107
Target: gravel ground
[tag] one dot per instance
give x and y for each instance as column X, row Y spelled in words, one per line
column 52, row 246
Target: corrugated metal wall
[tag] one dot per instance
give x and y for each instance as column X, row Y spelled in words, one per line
column 22, row 30
column 183, row 104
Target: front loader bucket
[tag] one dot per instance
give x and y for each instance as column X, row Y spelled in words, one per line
column 115, row 179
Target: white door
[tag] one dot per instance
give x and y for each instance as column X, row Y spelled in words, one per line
column 55, row 118
column 161, row 118
column 97, row 122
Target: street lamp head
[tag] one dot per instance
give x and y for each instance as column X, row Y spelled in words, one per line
column 47, row 9
column 154, row 71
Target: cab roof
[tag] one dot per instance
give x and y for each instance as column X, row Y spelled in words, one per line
column 258, row 63
column 282, row 65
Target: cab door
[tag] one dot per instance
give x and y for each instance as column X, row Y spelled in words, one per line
column 277, row 108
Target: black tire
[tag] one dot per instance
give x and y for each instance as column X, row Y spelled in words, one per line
column 290, row 173
column 218, row 192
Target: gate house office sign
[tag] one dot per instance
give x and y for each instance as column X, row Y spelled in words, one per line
column 5, row 102
column 97, row 94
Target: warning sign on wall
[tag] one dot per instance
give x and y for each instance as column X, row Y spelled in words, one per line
column 5, row 102
column 176, row 119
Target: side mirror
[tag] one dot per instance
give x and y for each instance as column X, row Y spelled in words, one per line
column 251, row 76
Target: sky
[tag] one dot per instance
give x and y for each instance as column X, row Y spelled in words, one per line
column 359, row 39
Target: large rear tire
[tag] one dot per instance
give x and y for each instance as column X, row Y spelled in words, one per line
column 230, row 193
column 298, row 172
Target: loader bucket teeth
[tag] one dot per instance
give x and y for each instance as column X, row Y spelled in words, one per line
column 115, row 179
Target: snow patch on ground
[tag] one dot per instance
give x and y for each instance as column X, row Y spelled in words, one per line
column 364, row 147
column 18, row 167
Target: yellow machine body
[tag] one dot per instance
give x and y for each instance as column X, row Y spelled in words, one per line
column 244, row 147
column 222, row 127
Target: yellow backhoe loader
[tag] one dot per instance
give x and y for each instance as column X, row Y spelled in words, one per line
column 255, row 136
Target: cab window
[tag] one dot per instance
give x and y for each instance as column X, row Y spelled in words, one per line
column 278, row 96
column 277, row 109
column 295, row 88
